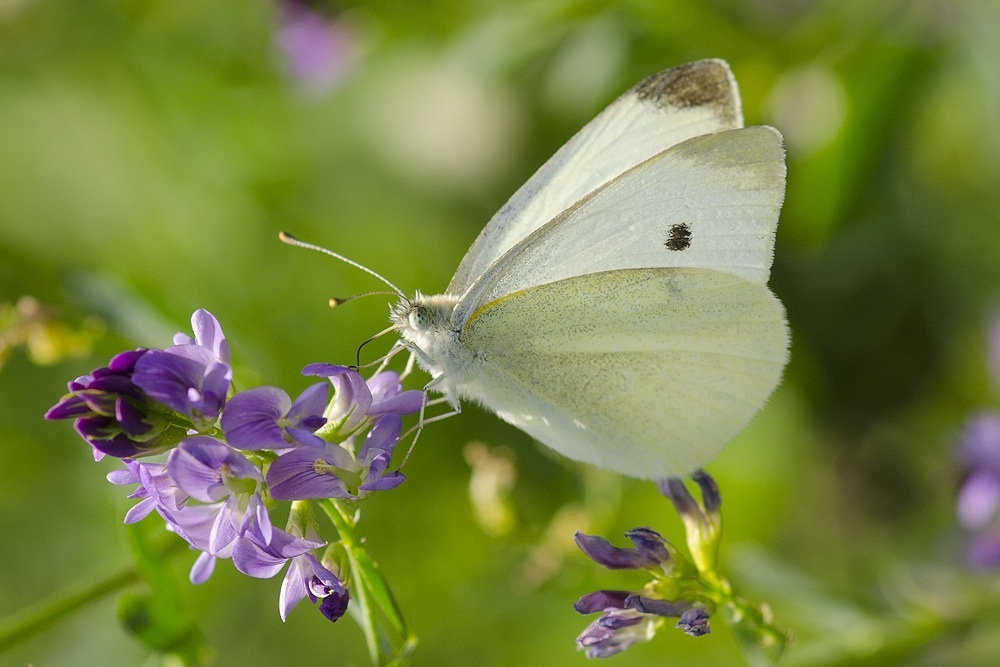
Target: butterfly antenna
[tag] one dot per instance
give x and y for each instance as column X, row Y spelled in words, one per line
column 291, row 240
column 340, row 301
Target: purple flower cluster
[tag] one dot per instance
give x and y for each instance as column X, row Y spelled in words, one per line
column 226, row 454
column 629, row 617
column 112, row 413
column 681, row 588
column 319, row 51
column 978, row 501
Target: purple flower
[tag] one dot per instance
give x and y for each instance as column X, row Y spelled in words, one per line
column 694, row 621
column 156, row 488
column 356, row 402
column 212, row 472
column 334, row 472
column 191, row 377
column 978, row 502
column 113, row 414
column 207, row 334
column 650, row 550
column 614, row 631
column 979, row 496
column 265, row 418
column 306, row 577
column 194, row 524
column 629, row 617
column 319, row 52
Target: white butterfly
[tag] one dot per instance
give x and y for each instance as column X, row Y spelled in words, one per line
column 617, row 308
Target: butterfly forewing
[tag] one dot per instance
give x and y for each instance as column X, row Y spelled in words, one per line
column 646, row 372
column 659, row 112
column 709, row 202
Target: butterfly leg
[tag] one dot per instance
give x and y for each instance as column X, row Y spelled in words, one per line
column 423, row 421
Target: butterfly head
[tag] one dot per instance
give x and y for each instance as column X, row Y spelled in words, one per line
column 424, row 322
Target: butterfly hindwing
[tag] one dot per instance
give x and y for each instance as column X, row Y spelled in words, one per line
column 647, row 372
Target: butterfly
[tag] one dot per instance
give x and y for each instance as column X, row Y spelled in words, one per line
column 616, row 308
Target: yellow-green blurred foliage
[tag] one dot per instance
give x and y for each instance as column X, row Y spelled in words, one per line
column 151, row 150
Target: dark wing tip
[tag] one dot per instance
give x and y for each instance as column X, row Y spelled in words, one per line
column 702, row 84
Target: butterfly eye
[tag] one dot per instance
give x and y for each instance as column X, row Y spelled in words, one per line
column 419, row 318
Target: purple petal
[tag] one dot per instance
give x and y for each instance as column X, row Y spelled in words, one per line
column 325, row 370
column 259, row 512
column 130, row 418
column 649, row 544
column 306, row 576
column 208, row 334
column 601, row 601
column 124, row 362
column 614, row 558
column 224, row 530
column 140, row 510
column 197, row 467
column 305, row 436
column 254, row 561
column 980, row 448
column 111, row 384
column 120, row 446
column 309, row 405
column 250, row 419
column 654, row 606
column 694, row 622
column 96, row 427
column 612, row 633
column 293, row 586
column 193, row 523
column 255, row 558
column 202, row 568
column 156, row 481
column 382, row 437
column 385, row 385
column 390, row 481
column 351, row 400
column 406, row 403
column 978, row 500
column 334, row 605
column 68, row 407
column 711, row 499
column 293, row 476
column 616, row 622
column 214, row 387
column 123, row 476
column 177, row 378
column 674, row 489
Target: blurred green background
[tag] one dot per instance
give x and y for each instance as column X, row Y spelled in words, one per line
column 150, row 151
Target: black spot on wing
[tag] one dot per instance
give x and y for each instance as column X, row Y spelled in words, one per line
column 705, row 83
column 678, row 237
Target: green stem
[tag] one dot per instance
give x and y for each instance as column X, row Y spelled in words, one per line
column 363, row 610
column 47, row 613
column 374, row 607
column 35, row 619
